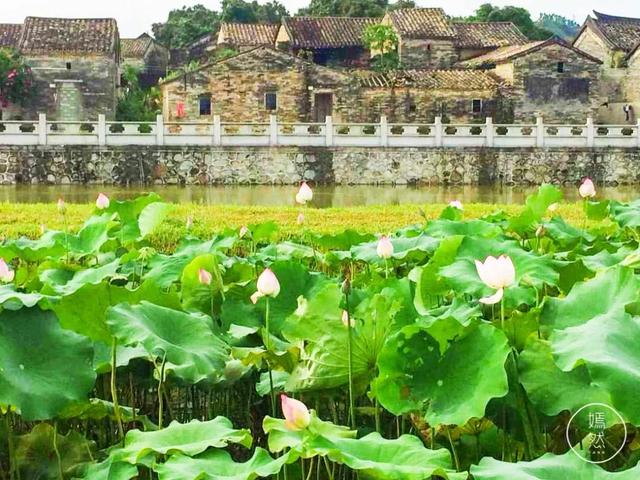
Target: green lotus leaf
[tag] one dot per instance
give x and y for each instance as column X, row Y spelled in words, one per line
column 288, row 251
column 187, row 438
column 10, row 299
column 187, row 341
column 598, row 210
column 218, row 465
column 416, row 248
column 536, row 206
column 65, row 282
column 31, row 251
column 151, row 217
column 36, row 456
column 451, row 386
column 43, row 368
column 404, row 458
column 97, row 409
column 548, row 467
column 195, row 295
column 91, row 237
column 343, row 240
column 564, row 235
column 626, row 214
column 110, row 470
column 468, row 228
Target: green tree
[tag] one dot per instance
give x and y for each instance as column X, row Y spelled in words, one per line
column 240, row 11
column 518, row 15
column 185, row 25
column 137, row 104
column 558, row 25
column 399, row 4
column 16, row 79
column 345, row 8
column 382, row 41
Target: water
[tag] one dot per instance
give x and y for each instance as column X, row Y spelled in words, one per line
column 324, row 196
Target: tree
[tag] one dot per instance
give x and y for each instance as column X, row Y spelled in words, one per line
column 186, row 25
column 137, row 104
column 382, row 41
column 402, row 4
column 16, row 79
column 240, row 11
column 517, row 15
column 345, row 8
column 558, row 25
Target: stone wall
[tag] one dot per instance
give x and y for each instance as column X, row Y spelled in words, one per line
column 290, row 165
column 418, row 53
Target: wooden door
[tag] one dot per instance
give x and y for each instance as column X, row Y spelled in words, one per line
column 322, row 106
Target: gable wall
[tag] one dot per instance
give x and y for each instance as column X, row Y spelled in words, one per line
column 592, row 44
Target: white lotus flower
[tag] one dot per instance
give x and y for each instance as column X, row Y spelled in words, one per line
column 102, row 201
column 384, row 248
column 587, row 189
column 268, row 286
column 305, row 194
column 6, row 274
column 497, row 273
column 456, row 204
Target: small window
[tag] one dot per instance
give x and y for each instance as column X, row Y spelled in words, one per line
column 68, row 65
column 476, row 106
column 560, row 67
column 429, row 46
column 412, row 107
column 205, row 105
column 270, row 101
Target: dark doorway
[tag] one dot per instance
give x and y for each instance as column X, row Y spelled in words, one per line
column 323, row 107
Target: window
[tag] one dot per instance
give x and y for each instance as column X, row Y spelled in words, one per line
column 560, row 67
column 270, row 101
column 205, row 105
column 476, row 106
column 68, row 65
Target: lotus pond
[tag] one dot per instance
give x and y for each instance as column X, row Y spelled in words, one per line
column 500, row 347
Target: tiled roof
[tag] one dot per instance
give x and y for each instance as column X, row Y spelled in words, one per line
column 430, row 23
column 506, row 54
column 488, row 35
column 10, row 34
column 134, row 47
column 69, row 36
column 326, row 32
column 430, row 79
column 248, row 34
column 622, row 33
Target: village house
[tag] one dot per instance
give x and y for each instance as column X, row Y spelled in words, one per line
column 241, row 36
column 147, row 56
column 615, row 41
column 75, row 67
column 335, row 41
column 548, row 78
column 255, row 84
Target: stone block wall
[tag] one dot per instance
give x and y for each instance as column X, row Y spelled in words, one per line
column 418, row 53
column 289, row 165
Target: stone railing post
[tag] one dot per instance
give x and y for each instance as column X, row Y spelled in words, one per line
column 217, row 130
column 384, row 131
column 438, row 131
column 159, row 129
column 638, row 133
column 102, row 130
column 539, row 132
column 489, row 132
column 273, row 130
column 591, row 132
column 328, row 131
column 42, row 129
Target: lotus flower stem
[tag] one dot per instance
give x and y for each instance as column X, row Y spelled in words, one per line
column 114, row 389
column 453, row 449
column 13, row 465
column 352, row 409
column 160, row 388
column 386, row 268
column 56, row 451
column 329, row 470
column 376, row 412
column 267, row 344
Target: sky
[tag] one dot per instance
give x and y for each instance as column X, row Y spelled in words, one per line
column 136, row 16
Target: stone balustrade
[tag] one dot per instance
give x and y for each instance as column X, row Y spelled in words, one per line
column 326, row 134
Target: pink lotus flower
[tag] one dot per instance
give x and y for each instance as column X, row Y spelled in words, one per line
column 300, row 219
column 243, row 231
column 497, row 273
column 62, row 207
column 305, row 194
column 587, row 189
column 6, row 274
column 384, row 248
column 296, row 413
column 102, row 201
column 204, row 277
column 268, row 286
column 456, row 204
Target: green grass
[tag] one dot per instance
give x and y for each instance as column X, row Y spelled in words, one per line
column 27, row 219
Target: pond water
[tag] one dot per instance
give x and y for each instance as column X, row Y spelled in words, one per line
column 325, row 196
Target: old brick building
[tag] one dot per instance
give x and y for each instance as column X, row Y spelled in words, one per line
column 146, row 55
column 240, row 36
column 548, row 78
column 75, row 67
column 260, row 82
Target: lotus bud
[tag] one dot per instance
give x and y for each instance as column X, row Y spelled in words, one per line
column 497, row 273
column 102, row 201
column 305, row 194
column 6, row 274
column 296, row 413
column 587, row 189
column 62, row 207
column 346, row 286
column 346, row 320
column 204, row 277
column 456, row 204
column 540, row 231
column 268, row 286
column 385, row 247
column 243, row 231
column 300, row 219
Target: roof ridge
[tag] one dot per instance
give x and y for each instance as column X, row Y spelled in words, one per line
column 111, row 19
column 614, row 18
